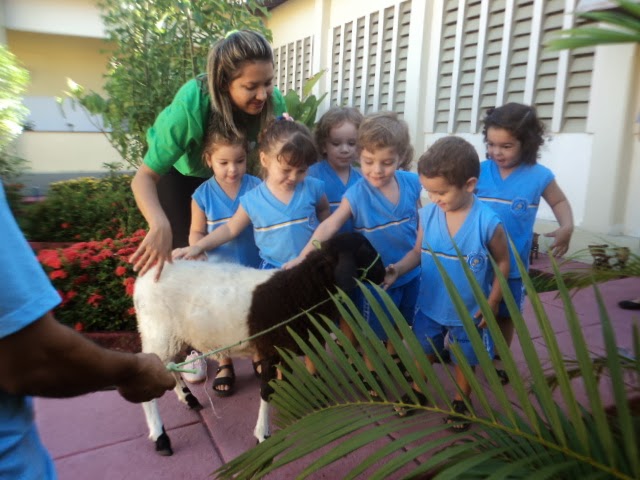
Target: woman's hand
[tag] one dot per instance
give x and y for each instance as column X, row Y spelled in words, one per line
column 155, row 249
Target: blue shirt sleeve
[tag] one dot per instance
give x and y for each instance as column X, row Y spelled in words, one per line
column 26, row 293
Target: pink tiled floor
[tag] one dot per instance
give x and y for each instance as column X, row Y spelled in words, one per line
column 101, row 436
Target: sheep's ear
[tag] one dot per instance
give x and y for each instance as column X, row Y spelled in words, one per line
column 345, row 271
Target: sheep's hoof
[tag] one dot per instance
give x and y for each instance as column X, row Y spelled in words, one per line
column 163, row 445
column 258, row 441
column 193, row 402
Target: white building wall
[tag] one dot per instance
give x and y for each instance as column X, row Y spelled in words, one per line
column 59, row 17
column 596, row 165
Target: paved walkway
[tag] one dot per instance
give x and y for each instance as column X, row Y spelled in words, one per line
column 101, row 436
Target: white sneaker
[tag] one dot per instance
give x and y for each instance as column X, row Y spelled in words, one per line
column 199, row 365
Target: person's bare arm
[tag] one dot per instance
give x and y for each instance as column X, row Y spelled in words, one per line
column 219, row 236
column 51, row 360
column 561, row 208
column 198, row 228
column 325, row 231
column 156, row 246
column 410, row 261
column 499, row 249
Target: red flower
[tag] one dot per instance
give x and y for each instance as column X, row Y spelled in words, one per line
column 131, row 311
column 120, row 270
column 57, row 274
column 64, row 225
column 78, row 327
column 71, row 294
column 128, row 283
column 94, row 299
column 50, row 258
column 80, row 279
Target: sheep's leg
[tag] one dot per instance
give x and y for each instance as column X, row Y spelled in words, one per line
column 156, row 430
column 262, row 430
column 184, row 393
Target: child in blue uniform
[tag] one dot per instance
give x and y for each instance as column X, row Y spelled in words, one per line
column 449, row 172
column 511, row 183
column 336, row 137
column 213, row 204
column 285, row 209
column 383, row 206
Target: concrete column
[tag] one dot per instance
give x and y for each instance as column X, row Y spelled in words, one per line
column 321, row 50
column 611, row 114
column 417, row 63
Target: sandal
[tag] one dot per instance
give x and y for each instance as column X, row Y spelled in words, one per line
column 407, row 411
column 228, row 381
column 503, row 376
column 445, row 355
column 257, row 368
column 458, row 424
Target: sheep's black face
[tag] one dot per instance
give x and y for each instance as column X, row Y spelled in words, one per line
column 358, row 259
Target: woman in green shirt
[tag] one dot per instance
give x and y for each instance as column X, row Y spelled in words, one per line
column 238, row 89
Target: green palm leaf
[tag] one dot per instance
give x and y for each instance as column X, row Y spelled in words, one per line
column 619, row 26
column 530, row 431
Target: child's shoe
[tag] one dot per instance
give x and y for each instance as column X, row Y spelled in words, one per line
column 200, row 366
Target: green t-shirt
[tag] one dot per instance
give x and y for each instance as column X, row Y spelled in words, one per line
column 176, row 137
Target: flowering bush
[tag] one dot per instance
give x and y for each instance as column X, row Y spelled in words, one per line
column 95, row 282
column 83, row 209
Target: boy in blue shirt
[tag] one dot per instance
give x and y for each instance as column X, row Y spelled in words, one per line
column 449, row 172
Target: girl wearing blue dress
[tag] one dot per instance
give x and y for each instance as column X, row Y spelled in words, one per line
column 512, row 182
column 212, row 205
column 336, row 137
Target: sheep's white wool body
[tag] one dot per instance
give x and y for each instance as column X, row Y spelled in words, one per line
column 201, row 304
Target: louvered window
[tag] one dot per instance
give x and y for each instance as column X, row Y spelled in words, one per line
column 293, row 65
column 370, row 60
column 445, row 76
column 497, row 56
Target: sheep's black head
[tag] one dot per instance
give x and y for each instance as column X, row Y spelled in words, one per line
column 357, row 260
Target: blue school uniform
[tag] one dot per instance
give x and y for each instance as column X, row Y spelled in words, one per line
column 282, row 230
column 472, row 240
column 392, row 230
column 515, row 199
column 219, row 208
column 333, row 186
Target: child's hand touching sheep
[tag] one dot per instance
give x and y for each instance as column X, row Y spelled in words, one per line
column 194, row 252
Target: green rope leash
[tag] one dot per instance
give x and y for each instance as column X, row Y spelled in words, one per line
column 177, row 367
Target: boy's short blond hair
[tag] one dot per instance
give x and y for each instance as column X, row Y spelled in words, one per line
column 451, row 157
column 384, row 130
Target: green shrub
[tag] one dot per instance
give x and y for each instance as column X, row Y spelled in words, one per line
column 83, row 209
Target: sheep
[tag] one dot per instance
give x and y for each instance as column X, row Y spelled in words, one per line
column 209, row 306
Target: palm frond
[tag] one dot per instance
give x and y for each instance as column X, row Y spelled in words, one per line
column 528, row 429
column 621, row 25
